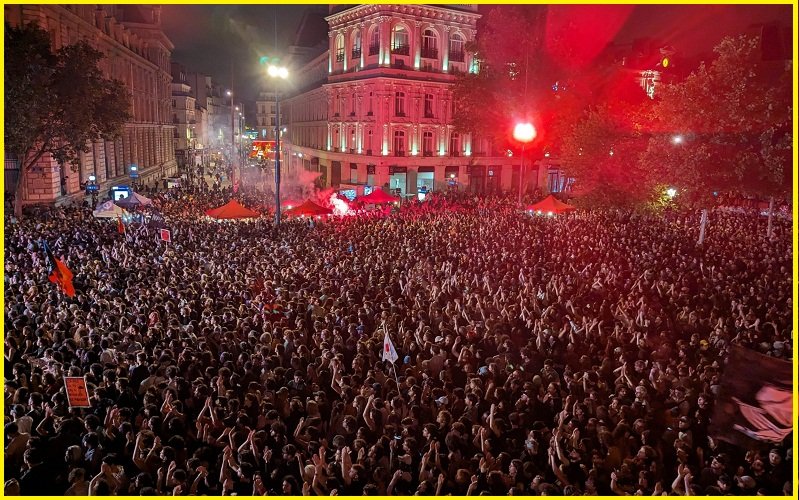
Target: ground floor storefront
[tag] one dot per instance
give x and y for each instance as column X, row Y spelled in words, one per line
column 410, row 176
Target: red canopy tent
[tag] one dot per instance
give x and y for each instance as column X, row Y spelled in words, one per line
column 377, row 196
column 289, row 204
column 551, row 204
column 231, row 210
column 308, row 208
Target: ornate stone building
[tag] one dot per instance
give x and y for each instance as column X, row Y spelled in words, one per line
column 382, row 115
column 138, row 53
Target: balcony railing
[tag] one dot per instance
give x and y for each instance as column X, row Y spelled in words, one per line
column 400, row 113
column 402, row 50
column 374, row 50
column 429, row 53
column 399, row 152
column 427, row 153
column 339, row 55
column 428, row 114
column 457, row 56
column 356, row 53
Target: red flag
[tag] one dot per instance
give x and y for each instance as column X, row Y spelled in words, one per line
column 59, row 273
column 166, row 235
column 120, row 226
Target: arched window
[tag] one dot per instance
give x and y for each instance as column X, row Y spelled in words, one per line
column 400, row 41
column 339, row 48
column 399, row 104
column 429, row 44
column 457, row 47
column 356, row 44
column 399, row 143
column 427, row 144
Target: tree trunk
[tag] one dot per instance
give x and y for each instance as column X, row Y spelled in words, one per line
column 770, row 216
column 702, row 226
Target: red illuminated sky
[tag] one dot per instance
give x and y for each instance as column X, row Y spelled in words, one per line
column 207, row 37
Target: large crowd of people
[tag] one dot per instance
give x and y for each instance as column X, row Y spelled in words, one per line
column 574, row 355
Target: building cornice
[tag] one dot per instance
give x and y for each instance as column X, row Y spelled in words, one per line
column 156, row 32
column 358, row 13
column 62, row 11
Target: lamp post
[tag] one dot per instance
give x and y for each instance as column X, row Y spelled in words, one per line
column 524, row 133
column 241, row 134
column 229, row 93
column 282, row 73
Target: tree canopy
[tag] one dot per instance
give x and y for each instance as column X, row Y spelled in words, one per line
column 726, row 127
column 56, row 102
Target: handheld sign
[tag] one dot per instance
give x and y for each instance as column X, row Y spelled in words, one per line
column 166, row 235
column 77, row 392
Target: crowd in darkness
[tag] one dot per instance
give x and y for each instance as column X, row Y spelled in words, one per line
column 577, row 354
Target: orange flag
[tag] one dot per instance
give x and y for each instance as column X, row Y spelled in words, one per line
column 59, row 273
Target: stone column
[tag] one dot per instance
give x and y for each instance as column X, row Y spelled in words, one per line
column 385, row 40
column 331, row 44
column 416, row 41
column 346, row 33
column 364, row 43
column 445, row 50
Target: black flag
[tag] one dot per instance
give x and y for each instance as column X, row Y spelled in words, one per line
column 755, row 403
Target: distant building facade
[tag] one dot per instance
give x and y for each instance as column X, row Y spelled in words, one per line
column 190, row 117
column 376, row 107
column 266, row 116
column 138, row 54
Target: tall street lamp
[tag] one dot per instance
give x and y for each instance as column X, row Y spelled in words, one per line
column 229, row 93
column 282, row 73
column 240, row 110
column 524, row 133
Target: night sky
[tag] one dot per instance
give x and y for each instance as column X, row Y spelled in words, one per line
column 208, row 37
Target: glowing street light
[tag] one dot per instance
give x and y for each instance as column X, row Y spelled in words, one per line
column 278, row 72
column 524, row 133
column 677, row 139
column 671, row 192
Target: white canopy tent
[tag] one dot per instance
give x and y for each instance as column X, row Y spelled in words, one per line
column 108, row 210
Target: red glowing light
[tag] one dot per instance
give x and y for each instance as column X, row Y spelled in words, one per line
column 524, row 132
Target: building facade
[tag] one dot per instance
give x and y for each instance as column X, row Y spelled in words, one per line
column 383, row 115
column 266, row 116
column 138, row 54
column 190, row 118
